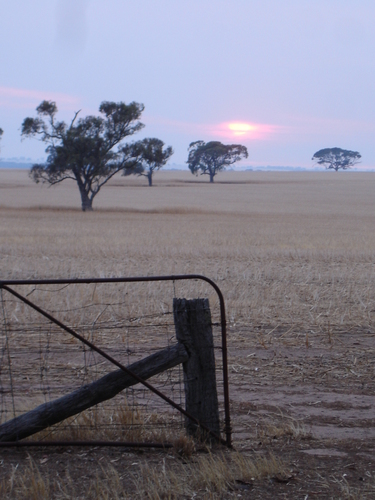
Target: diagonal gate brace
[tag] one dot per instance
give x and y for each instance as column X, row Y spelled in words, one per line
column 92, row 394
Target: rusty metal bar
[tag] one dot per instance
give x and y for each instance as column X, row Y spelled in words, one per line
column 5, row 284
column 118, row 444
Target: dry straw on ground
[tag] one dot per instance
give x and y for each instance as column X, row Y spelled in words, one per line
column 285, row 248
column 206, row 477
column 294, row 256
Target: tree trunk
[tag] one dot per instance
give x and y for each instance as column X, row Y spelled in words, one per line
column 149, row 177
column 212, row 175
column 86, row 201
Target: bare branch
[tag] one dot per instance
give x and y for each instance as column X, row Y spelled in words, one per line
column 74, row 119
column 52, row 183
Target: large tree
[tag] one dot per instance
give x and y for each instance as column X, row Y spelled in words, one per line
column 151, row 156
column 89, row 150
column 212, row 157
column 336, row 158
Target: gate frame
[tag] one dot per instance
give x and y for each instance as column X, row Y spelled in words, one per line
column 4, row 284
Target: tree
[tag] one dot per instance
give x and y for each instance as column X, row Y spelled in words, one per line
column 1, row 133
column 213, row 157
column 90, row 150
column 336, row 158
column 151, row 156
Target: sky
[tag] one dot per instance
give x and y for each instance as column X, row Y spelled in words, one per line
column 284, row 78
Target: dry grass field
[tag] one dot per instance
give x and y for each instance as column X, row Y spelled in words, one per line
column 294, row 256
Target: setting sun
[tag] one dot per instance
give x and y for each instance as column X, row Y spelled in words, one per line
column 241, row 128
column 245, row 130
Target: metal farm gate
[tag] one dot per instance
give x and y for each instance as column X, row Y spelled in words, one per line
column 59, row 341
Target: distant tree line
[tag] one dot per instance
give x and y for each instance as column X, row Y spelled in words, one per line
column 91, row 150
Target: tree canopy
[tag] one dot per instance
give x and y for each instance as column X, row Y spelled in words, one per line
column 151, row 156
column 336, row 158
column 89, row 150
column 212, row 157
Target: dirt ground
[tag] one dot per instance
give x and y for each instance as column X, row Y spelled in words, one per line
column 294, row 257
column 306, row 398
column 310, row 397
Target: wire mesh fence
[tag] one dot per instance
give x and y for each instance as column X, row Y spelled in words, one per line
column 41, row 362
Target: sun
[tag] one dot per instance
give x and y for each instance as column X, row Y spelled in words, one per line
column 240, row 128
column 251, row 131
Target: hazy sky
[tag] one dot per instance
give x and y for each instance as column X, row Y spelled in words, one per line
column 298, row 75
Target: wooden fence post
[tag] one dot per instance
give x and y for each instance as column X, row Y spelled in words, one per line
column 193, row 325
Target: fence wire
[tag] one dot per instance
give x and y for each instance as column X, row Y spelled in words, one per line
column 40, row 362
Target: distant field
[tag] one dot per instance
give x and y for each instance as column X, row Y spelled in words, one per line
column 283, row 246
column 294, row 256
column 272, row 193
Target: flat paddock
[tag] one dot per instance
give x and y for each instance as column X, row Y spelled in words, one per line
column 294, row 256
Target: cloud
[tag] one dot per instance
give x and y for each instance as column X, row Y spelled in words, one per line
column 313, row 125
column 16, row 98
column 226, row 130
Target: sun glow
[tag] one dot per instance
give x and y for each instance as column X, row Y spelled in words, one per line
column 229, row 130
column 241, row 128
column 246, row 130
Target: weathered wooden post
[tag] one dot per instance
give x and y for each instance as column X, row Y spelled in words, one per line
column 192, row 320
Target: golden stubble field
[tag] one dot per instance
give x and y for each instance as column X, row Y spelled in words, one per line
column 284, row 247
column 294, row 256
